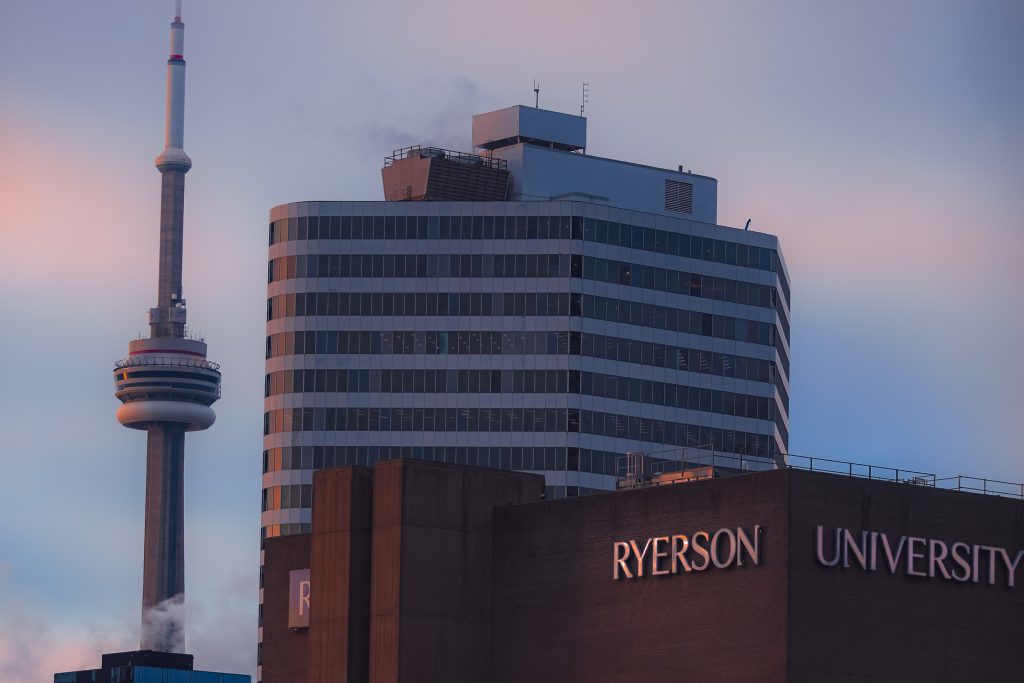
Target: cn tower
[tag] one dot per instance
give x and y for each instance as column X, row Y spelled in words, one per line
column 166, row 385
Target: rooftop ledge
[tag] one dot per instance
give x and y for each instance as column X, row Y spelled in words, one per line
column 641, row 470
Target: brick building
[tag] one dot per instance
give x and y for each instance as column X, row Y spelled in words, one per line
column 432, row 572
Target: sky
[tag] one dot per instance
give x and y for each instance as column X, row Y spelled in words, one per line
column 881, row 142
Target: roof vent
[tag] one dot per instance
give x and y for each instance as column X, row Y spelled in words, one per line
column 678, row 196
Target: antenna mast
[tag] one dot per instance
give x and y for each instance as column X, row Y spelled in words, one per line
column 536, row 94
column 586, row 97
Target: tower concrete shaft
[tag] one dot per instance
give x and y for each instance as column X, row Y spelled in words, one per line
column 163, row 570
column 167, row 386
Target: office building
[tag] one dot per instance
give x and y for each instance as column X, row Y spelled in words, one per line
column 524, row 306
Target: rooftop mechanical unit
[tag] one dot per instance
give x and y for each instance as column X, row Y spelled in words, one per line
column 433, row 174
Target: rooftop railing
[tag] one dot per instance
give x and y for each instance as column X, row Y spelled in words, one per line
column 465, row 158
column 988, row 487
column 637, row 470
column 856, row 469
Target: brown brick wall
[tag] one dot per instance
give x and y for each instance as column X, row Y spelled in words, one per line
column 853, row 625
column 560, row 616
column 284, row 651
column 340, row 551
column 790, row 619
column 432, row 567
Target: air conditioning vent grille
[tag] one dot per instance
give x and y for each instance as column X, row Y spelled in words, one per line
column 678, row 196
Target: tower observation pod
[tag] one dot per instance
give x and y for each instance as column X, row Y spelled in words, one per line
column 166, row 385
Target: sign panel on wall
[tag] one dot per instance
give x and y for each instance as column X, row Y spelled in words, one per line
column 298, row 598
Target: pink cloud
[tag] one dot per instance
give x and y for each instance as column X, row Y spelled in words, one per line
column 70, row 215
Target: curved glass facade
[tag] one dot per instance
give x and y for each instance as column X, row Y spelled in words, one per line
column 544, row 336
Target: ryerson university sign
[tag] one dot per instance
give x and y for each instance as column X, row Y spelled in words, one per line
column 917, row 556
column 869, row 550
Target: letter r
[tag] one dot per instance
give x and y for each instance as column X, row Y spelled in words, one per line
column 303, row 596
column 620, row 557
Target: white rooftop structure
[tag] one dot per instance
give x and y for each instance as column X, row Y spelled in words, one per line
column 528, row 124
column 547, row 160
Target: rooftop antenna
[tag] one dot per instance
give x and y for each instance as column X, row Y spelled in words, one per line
column 586, row 97
column 536, row 94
